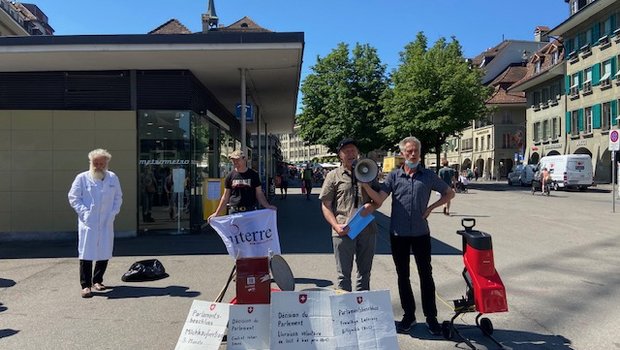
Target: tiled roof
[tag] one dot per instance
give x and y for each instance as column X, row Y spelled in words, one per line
column 245, row 24
column 489, row 54
column 173, row 26
column 509, row 76
column 503, row 81
column 25, row 12
column 501, row 96
column 545, row 56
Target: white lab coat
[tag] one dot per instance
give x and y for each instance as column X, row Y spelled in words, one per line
column 97, row 203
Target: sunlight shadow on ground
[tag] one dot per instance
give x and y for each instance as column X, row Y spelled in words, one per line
column 120, row 292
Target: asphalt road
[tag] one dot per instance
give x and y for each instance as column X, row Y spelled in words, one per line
column 558, row 257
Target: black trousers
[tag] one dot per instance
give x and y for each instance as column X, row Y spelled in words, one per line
column 402, row 247
column 87, row 279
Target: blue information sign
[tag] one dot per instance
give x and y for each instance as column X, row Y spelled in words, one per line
column 249, row 115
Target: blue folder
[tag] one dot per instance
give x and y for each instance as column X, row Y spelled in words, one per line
column 358, row 222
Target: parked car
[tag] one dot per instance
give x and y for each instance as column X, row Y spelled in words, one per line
column 522, row 174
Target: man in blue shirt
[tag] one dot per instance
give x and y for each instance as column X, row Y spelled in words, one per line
column 411, row 186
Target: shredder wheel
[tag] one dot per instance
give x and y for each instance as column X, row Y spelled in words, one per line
column 486, row 326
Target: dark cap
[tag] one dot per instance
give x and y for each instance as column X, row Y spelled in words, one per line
column 345, row 142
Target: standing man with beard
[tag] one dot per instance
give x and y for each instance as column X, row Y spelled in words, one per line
column 411, row 186
column 340, row 197
column 242, row 188
column 96, row 197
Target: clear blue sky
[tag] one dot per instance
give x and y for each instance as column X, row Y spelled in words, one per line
column 388, row 25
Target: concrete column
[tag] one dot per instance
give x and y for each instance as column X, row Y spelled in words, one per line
column 244, row 147
column 258, row 144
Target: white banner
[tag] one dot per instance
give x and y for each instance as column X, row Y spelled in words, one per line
column 248, row 234
column 302, row 321
column 204, row 327
column 248, row 327
column 364, row 320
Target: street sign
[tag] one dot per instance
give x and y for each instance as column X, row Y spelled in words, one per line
column 249, row 113
column 614, row 143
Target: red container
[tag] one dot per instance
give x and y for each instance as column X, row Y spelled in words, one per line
column 489, row 291
column 253, row 281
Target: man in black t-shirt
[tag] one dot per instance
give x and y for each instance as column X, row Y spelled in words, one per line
column 242, row 188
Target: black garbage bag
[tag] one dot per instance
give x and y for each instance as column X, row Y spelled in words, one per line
column 145, row 270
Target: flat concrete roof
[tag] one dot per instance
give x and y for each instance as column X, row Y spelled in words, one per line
column 272, row 60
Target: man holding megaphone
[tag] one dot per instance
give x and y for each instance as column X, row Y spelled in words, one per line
column 341, row 196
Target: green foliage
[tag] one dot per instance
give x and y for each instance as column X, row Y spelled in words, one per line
column 434, row 94
column 341, row 98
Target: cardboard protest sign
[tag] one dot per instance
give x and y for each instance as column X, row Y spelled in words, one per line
column 302, row 320
column 248, row 234
column 204, row 327
column 248, row 327
column 364, row 320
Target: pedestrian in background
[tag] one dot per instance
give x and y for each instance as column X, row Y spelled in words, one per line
column 340, row 198
column 148, row 186
column 411, row 186
column 284, row 176
column 448, row 175
column 306, row 177
column 96, row 197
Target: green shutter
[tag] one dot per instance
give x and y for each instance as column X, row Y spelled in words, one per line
column 596, row 33
column 596, row 74
column 580, row 73
column 567, row 123
column 612, row 27
column 614, row 112
column 613, row 68
column 580, row 119
column 596, row 116
column 567, row 91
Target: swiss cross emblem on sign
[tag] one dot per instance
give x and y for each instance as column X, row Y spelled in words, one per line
column 614, row 143
column 303, row 298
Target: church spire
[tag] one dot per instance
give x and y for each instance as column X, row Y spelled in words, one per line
column 209, row 19
column 211, row 9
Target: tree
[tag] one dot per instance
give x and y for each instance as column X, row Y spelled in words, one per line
column 434, row 94
column 341, row 98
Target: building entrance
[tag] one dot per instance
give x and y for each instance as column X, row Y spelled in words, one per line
column 164, row 154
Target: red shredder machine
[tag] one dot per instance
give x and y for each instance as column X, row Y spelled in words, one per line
column 485, row 291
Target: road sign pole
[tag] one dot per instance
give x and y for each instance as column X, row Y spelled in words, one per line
column 613, row 181
column 614, row 145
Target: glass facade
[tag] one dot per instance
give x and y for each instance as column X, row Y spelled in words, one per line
column 178, row 152
column 165, row 155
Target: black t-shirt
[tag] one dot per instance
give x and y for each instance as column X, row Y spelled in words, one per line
column 242, row 188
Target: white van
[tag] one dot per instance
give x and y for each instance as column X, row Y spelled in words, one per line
column 569, row 170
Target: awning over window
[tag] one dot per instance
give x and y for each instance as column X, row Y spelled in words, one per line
column 606, row 75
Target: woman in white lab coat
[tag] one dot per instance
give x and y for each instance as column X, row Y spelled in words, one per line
column 96, row 197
